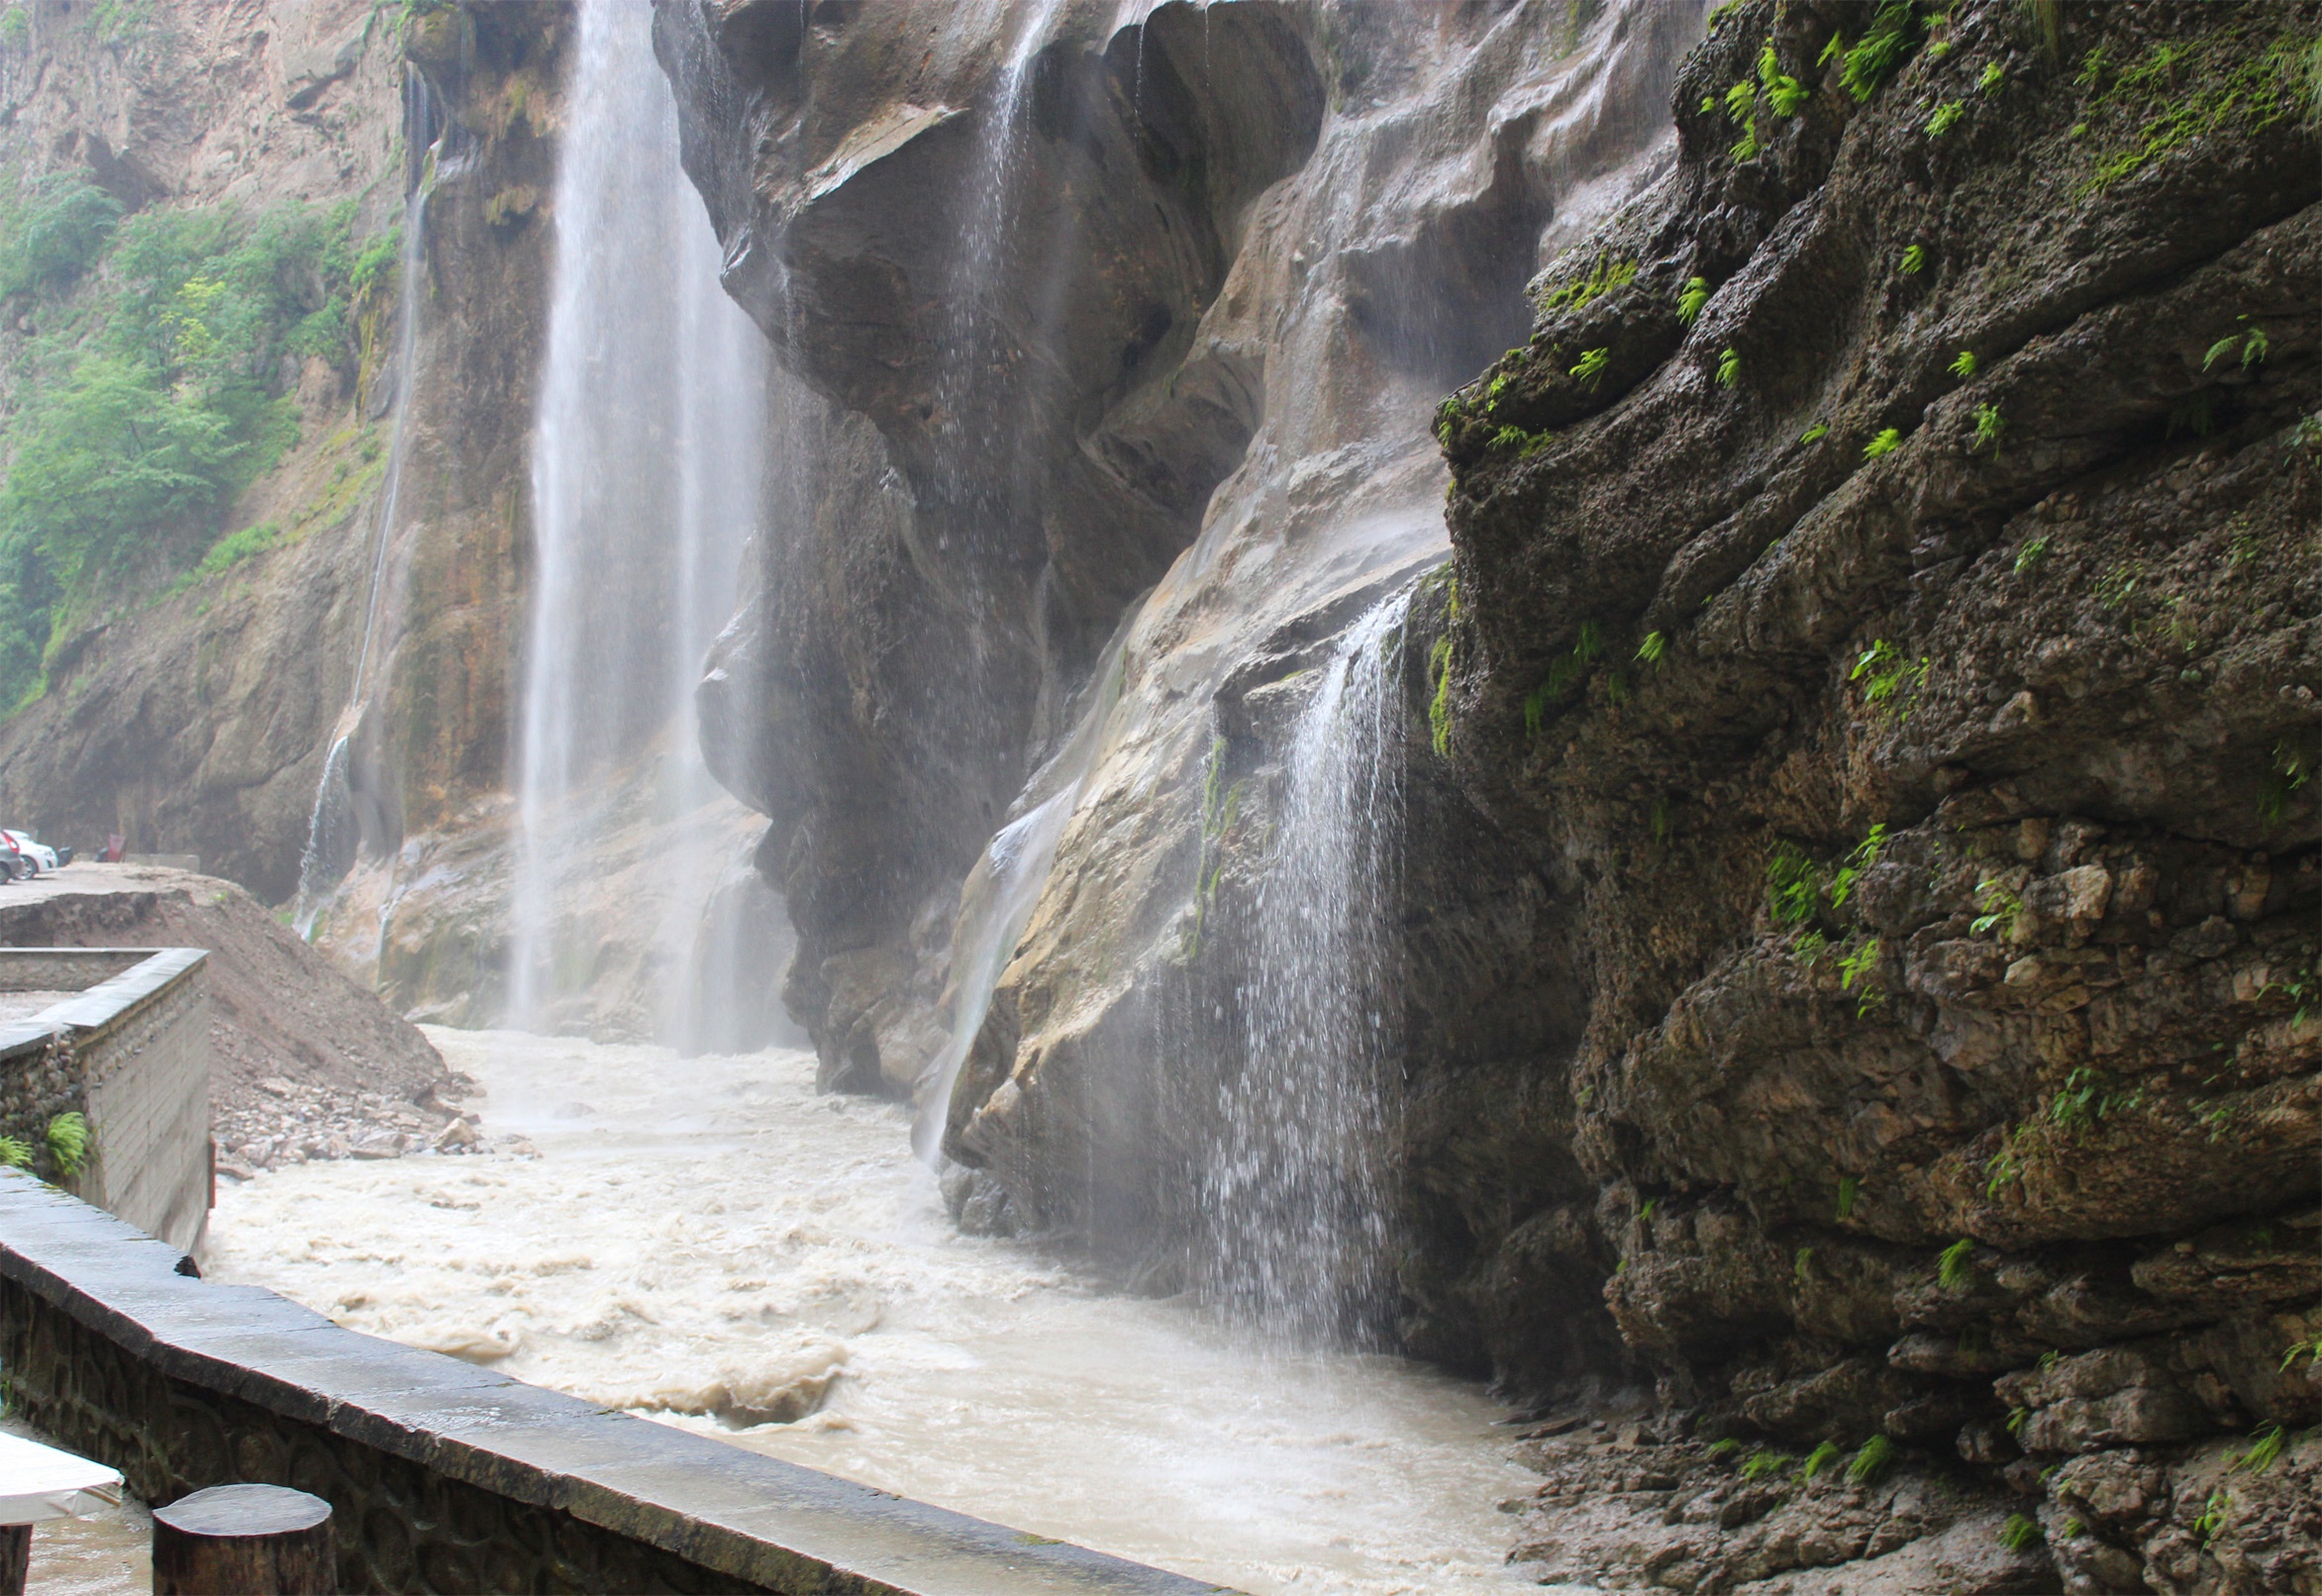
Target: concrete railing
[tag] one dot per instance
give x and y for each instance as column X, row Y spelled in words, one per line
column 130, row 1053
column 444, row 1476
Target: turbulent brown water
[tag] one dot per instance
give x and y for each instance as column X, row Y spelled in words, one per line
column 712, row 1233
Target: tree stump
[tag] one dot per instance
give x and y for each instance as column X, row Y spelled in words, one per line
column 16, row 1556
column 243, row 1541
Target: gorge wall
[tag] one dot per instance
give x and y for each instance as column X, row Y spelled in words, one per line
column 1854, row 890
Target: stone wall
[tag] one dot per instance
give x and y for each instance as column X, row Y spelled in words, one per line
column 131, row 1054
column 442, row 1476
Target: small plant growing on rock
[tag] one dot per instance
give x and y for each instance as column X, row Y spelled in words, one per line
column 1783, row 93
column 1802, row 1266
column 1439, row 707
column 1965, row 366
column 2001, row 908
column 1914, row 260
column 2265, row 1450
column 2033, row 550
column 1724, row 1448
column 1993, row 76
column 1729, row 367
column 1815, row 434
column 2119, row 584
column 1606, row 275
column 2017, row 1418
column 1651, row 649
column 2288, row 771
column 1764, row 1461
column 1590, row 371
column 1886, row 443
column 2020, row 1534
column 1947, row 116
column 2003, row 1169
column 2213, row 1514
column 1871, row 1460
column 1849, row 1186
column 1820, row 1459
column 1861, row 967
column 1893, row 33
column 17, row 1154
column 2297, row 1350
column 1690, row 301
column 1988, row 426
column 1955, row 1268
column 1884, row 672
column 68, row 1143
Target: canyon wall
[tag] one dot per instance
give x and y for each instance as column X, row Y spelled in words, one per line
column 192, row 713
column 1851, row 914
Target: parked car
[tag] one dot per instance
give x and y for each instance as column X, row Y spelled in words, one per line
column 13, row 866
column 34, row 852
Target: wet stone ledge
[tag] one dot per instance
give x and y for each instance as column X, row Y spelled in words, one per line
column 447, row 1477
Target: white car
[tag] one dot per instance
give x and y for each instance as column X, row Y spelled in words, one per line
column 37, row 854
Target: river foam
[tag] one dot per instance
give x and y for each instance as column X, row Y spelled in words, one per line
column 712, row 1241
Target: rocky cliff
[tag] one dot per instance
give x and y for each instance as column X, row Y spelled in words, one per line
column 190, row 708
column 1887, row 604
column 1840, row 819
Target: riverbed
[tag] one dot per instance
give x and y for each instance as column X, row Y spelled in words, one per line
column 710, row 1241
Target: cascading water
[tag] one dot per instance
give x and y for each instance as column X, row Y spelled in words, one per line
column 1298, row 1187
column 648, row 469
column 334, row 831
column 1000, row 893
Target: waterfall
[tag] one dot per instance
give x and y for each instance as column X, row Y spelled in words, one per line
column 334, row 831
column 648, row 465
column 1297, row 1190
column 998, row 899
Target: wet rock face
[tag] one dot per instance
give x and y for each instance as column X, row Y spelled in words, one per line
column 1907, row 643
column 991, row 266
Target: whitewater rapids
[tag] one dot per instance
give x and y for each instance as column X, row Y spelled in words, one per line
column 710, row 1241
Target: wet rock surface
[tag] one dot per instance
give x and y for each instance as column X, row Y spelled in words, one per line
column 1904, row 650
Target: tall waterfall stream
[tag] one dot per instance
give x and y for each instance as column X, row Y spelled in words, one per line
column 713, row 1235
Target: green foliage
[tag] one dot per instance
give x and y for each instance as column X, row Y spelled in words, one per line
column 2119, row 584
column 156, row 400
column 1439, row 706
column 1993, row 76
column 2001, row 909
column 1884, row 672
column 2265, row 1451
column 1605, row 275
column 2253, row 344
column 1590, row 370
column 1729, row 367
column 1821, row 1458
column 1848, row 1188
column 1965, row 366
column 1725, row 1448
column 1651, row 648
column 1865, row 855
column 1914, row 260
column 51, row 230
column 2289, row 767
column 2087, row 1097
column 68, row 1143
column 379, row 262
column 236, row 547
column 17, row 1154
column 1886, row 442
column 1861, row 967
column 1741, row 101
column 2017, row 1418
column 1689, row 303
column 1955, row 1267
column 2033, row 551
column 1815, row 434
column 2181, row 91
column 2213, row 1514
column 1764, row 1461
column 1783, row 94
column 1802, row 1266
column 1894, row 33
column 1947, row 116
column 1870, row 1461
column 2003, row 1169
column 1988, row 426
column 2311, row 1350
column 16, row 26
column 2020, row 1534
